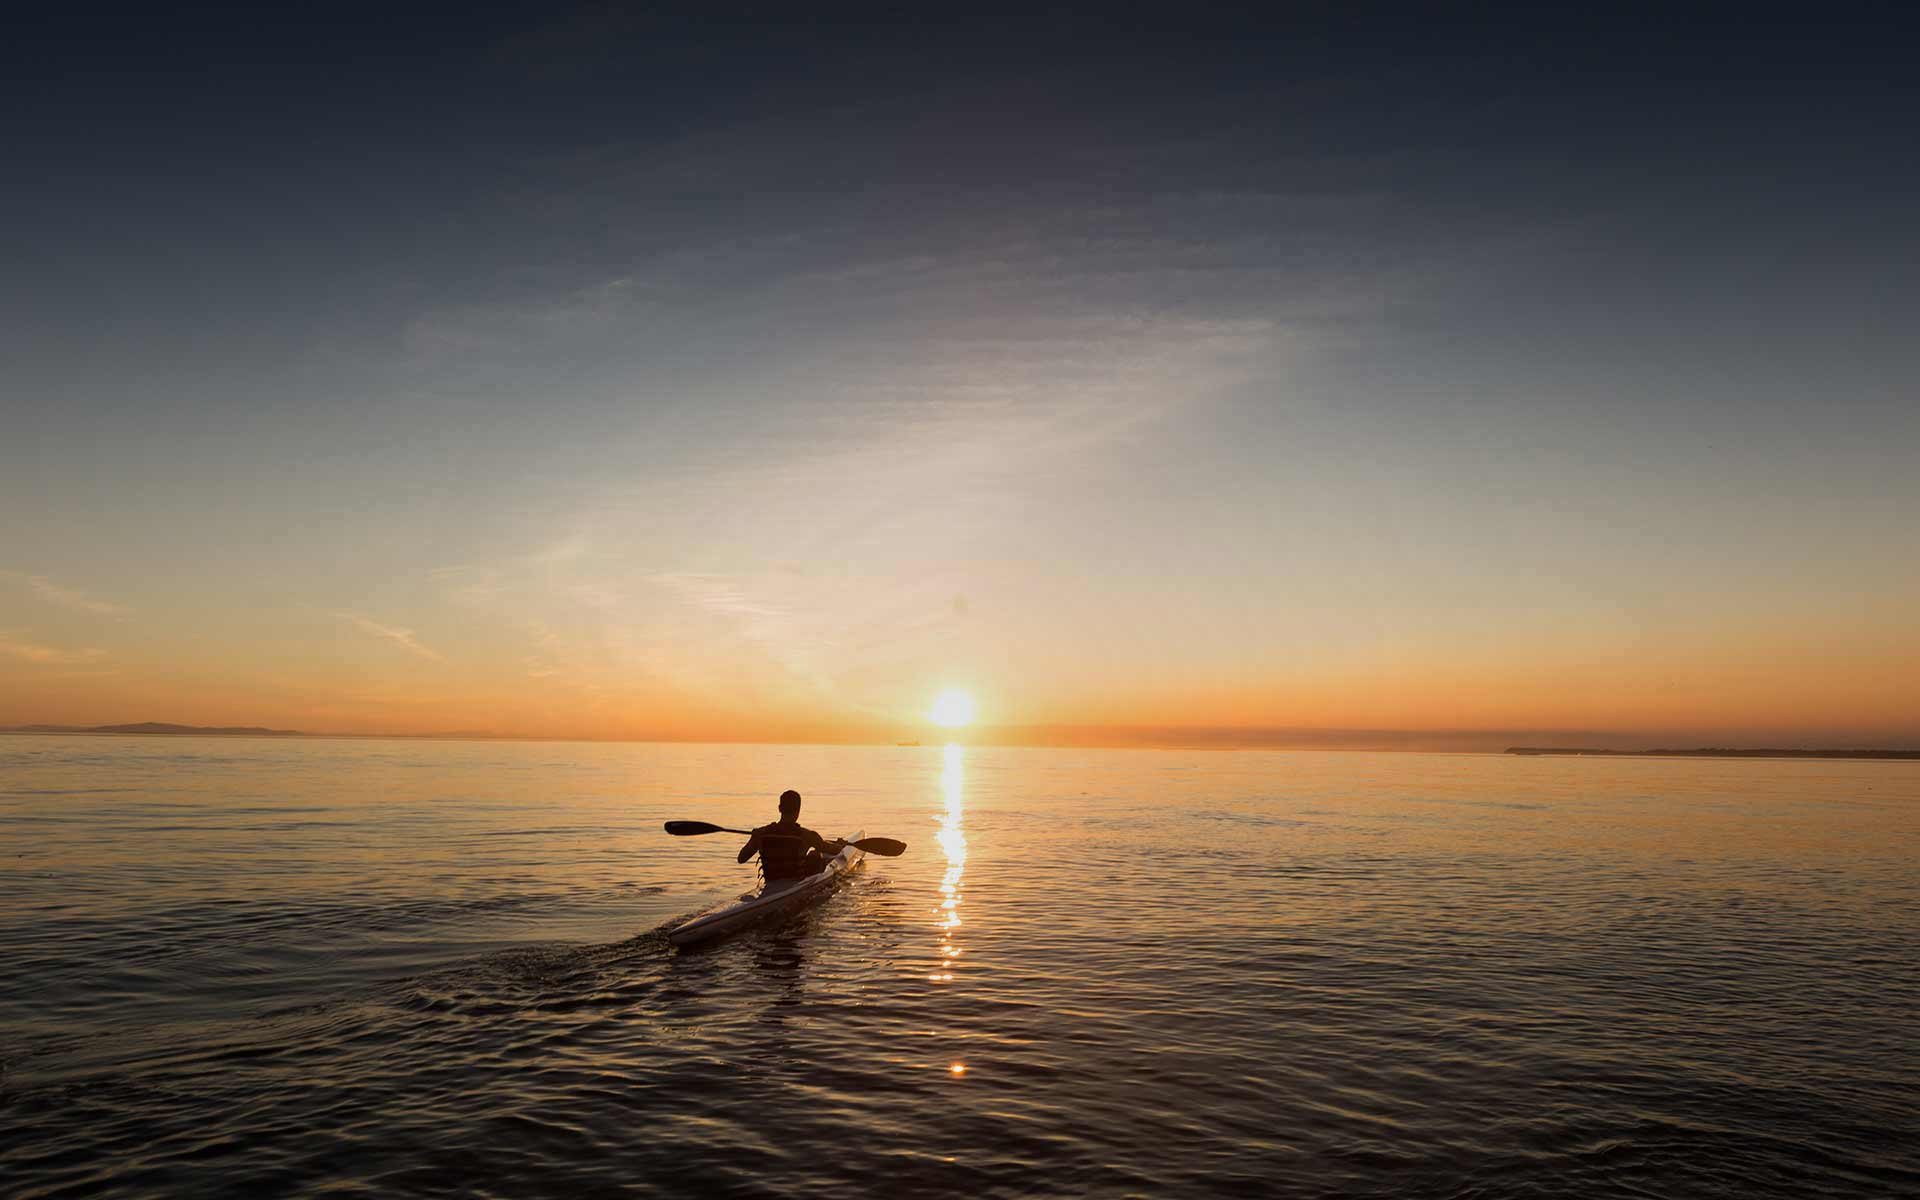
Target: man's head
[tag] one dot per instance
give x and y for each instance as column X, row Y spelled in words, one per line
column 789, row 805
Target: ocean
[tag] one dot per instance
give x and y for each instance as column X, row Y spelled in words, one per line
column 255, row 967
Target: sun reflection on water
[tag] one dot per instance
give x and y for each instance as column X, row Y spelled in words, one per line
column 954, row 843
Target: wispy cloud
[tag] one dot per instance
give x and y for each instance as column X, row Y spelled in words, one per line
column 67, row 597
column 49, row 655
column 718, row 594
column 404, row 638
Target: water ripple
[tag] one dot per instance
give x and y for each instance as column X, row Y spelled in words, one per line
column 1128, row 974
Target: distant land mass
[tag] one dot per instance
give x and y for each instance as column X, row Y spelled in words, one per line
column 161, row 727
column 1717, row 752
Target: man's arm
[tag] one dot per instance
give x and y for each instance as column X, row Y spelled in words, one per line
column 751, row 848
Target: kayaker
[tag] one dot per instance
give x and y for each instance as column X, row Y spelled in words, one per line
column 788, row 849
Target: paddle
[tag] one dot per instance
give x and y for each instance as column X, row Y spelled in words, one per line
column 884, row 847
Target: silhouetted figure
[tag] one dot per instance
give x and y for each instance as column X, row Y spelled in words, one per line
column 788, row 849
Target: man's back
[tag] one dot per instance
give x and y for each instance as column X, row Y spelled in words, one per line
column 788, row 849
column 784, row 850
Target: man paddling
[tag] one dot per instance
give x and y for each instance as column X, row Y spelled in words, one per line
column 788, row 849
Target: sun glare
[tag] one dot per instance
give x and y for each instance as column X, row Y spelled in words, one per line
column 952, row 709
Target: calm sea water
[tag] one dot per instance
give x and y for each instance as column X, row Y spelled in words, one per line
column 375, row 967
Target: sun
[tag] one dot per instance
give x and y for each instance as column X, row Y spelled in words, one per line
column 952, row 709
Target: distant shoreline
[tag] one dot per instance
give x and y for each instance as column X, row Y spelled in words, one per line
column 1715, row 752
column 161, row 728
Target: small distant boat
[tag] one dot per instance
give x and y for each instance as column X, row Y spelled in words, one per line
column 776, row 899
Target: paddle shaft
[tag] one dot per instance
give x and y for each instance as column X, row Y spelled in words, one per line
column 886, row 847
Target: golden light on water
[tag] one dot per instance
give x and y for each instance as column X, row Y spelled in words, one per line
column 952, row 709
column 953, row 842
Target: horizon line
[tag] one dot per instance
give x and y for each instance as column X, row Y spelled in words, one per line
column 1068, row 737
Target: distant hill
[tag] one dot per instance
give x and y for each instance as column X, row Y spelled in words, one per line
column 1717, row 752
column 161, row 727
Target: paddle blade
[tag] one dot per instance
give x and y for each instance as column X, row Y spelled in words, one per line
column 690, row 828
column 884, row 847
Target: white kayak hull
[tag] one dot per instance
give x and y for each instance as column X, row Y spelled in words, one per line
column 774, row 900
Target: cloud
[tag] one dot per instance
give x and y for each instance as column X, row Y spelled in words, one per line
column 66, row 597
column 602, row 306
column 49, row 655
column 718, row 594
column 720, row 245
column 404, row 638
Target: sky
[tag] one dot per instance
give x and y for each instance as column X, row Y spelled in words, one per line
column 631, row 373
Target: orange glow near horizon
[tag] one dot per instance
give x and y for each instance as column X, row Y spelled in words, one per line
column 730, row 671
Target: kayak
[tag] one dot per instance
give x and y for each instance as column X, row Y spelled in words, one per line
column 775, row 899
